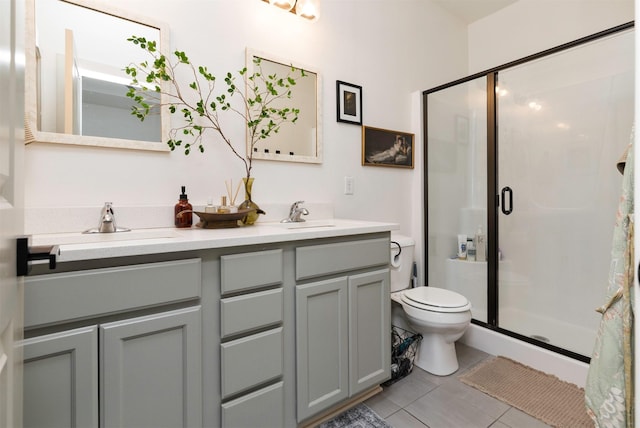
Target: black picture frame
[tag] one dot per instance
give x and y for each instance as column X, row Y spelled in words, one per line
column 384, row 147
column 348, row 103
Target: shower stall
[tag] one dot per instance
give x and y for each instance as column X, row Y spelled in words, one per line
column 526, row 154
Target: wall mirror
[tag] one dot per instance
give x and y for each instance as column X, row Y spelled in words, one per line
column 76, row 87
column 301, row 141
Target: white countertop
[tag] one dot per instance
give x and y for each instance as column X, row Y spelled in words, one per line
column 78, row 246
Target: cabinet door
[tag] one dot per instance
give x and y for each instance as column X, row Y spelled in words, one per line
column 151, row 371
column 321, row 345
column 369, row 330
column 61, row 379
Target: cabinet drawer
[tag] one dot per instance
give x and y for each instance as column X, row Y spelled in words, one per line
column 250, row 270
column 262, row 408
column 76, row 295
column 326, row 259
column 250, row 311
column 250, row 361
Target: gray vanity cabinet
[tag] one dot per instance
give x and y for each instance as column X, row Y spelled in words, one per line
column 150, row 371
column 258, row 335
column 61, row 379
column 252, row 339
column 322, row 345
column 342, row 322
column 133, row 357
column 369, row 330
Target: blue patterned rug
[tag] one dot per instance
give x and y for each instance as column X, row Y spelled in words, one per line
column 360, row 416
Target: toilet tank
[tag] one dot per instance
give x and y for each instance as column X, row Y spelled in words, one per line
column 401, row 261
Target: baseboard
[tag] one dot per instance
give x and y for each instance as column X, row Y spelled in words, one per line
column 494, row 343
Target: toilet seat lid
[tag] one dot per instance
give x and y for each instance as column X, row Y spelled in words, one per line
column 436, row 299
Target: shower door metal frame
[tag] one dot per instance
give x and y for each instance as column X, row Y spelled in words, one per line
column 493, row 197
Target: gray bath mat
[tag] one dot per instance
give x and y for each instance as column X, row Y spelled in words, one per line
column 360, row 416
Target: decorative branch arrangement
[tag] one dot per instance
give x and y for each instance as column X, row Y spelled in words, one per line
column 201, row 107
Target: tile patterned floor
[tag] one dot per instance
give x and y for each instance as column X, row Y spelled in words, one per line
column 424, row 400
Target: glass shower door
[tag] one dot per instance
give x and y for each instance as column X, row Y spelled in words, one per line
column 564, row 121
column 456, row 186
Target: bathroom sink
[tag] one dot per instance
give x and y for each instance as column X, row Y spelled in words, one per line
column 89, row 238
column 307, row 224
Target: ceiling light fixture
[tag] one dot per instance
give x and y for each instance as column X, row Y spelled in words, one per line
column 283, row 4
column 308, row 9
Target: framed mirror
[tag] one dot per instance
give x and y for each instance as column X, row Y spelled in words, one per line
column 76, row 52
column 300, row 141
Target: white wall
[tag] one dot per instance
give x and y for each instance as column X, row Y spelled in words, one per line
column 392, row 49
column 530, row 26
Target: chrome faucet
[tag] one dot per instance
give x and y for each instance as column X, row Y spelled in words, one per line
column 295, row 212
column 107, row 221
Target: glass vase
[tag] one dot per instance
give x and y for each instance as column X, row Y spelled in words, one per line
column 248, row 203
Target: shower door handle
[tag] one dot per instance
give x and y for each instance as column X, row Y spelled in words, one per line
column 505, row 210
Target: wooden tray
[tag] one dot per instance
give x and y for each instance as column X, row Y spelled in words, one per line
column 220, row 221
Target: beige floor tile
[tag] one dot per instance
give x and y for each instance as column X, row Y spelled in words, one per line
column 468, row 356
column 409, row 389
column 472, row 397
column 402, row 419
column 517, row 419
column 382, row 405
column 442, row 409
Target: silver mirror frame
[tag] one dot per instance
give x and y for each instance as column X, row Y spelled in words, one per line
column 33, row 134
column 250, row 54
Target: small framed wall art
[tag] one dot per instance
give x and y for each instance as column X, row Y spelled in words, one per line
column 349, row 102
column 382, row 147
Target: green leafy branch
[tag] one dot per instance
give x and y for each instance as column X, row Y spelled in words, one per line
column 201, row 107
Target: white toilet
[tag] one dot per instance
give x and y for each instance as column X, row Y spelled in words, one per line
column 440, row 315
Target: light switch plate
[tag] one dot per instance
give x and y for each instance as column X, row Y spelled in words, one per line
column 348, row 185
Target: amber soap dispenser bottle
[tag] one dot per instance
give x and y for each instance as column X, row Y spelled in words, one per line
column 186, row 219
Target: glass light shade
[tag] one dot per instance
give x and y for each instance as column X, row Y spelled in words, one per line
column 283, row 4
column 309, row 9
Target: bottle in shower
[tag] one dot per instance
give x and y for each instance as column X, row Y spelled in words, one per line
column 481, row 245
